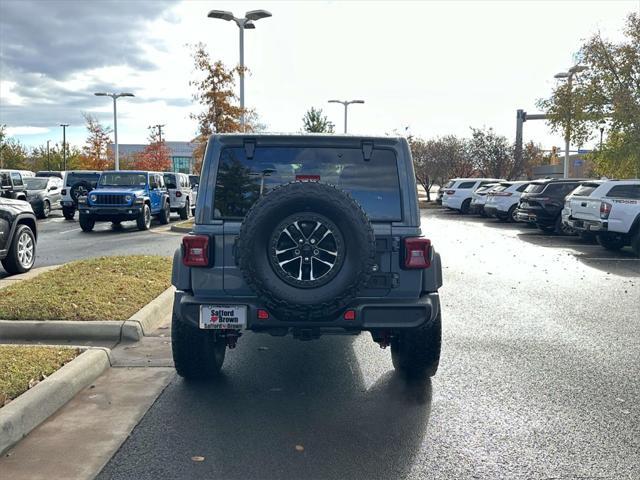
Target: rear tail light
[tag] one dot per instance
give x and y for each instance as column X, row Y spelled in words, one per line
column 349, row 315
column 449, row 192
column 263, row 314
column 605, row 210
column 417, row 252
column 195, row 250
column 178, row 194
column 501, row 194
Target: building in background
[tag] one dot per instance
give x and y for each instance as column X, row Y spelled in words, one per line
column 181, row 154
column 579, row 167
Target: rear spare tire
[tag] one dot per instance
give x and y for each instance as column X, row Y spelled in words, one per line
column 306, row 249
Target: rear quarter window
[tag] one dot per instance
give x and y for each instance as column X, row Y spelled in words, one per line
column 373, row 184
column 466, row 185
column 535, row 187
column 585, row 189
column 625, row 191
column 522, row 187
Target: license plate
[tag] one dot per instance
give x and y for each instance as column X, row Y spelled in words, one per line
column 218, row 317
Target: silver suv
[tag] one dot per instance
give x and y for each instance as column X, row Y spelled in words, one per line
column 181, row 198
column 308, row 236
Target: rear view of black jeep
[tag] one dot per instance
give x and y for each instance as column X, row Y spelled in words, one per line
column 306, row 235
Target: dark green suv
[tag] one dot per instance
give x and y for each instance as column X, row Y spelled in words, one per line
column 306, row 235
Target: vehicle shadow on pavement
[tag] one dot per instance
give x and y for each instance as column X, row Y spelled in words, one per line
column 622, row 263
column 283, row 409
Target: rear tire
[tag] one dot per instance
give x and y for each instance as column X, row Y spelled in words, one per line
column 197, row 354
column 611, row 242
column 185, row 211
column 511, row 214
column 416, row 352
column 144, row 218
column 86, row 223
column 635, row 243
column 68, row 213
column 165, row 214
column 562, row 229
column 466, row 205
column 45, row 211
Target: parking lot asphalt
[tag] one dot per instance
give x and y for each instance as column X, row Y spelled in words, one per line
column 61, row 241
column 538, row 379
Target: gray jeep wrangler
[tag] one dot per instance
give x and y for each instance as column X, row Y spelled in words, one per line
column 306, row 235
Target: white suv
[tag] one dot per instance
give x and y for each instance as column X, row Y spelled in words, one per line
column 610, row 209
column 180, row 194
column 77, row 183
column 479, row 198
column 457, row 193
column 502, row 201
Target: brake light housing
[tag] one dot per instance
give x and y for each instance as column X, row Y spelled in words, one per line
column 417, row 253
column 501, row 194
column 195, row 250
column 178, row 194
column 449, row 192
column 605, row 210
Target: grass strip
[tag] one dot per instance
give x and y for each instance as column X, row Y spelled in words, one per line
column 106, row 288
column 23, row 367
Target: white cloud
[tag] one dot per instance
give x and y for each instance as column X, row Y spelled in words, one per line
column 26, row 130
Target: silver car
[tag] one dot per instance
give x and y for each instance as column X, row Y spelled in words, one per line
column 181, row 196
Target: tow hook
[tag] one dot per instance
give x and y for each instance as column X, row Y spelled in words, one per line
column 385, row 340
column 232, row 339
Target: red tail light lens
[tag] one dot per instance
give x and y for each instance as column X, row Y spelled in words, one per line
column 417, row 252
column 349, row 315
column 195, row 250
column 178, row 194
column 501, row 194
column 263, row 314
column 605, row 210
column 449, row 192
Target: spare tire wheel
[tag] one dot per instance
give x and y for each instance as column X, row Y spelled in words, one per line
column 79, row 189
column 306, row 249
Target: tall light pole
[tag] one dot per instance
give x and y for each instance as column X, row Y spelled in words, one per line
column 115, row 97
column 245, row 22
column 346, row 104
column 48, row 157
column 567, row 132
column 64, row 145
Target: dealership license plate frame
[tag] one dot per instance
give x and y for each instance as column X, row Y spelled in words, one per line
column 239, row 312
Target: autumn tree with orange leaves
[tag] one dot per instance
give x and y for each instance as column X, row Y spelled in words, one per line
column 155, row 156
column 95, row 153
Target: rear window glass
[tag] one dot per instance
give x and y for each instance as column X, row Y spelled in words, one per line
column 194, row 180
column 170, row 181
column 535, row 188
column 373, row 184
column 449, row 184
column 73, row 178
column 585, row 189
column 560, row 189
column 522, row 187
column 466, row 185
column 625, row 191
column 500, row 188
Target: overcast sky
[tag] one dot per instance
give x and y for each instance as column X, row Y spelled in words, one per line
column 435, row 67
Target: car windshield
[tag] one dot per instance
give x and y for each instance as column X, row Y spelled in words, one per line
column 122, row 179
column 374, row 183
column 34, row 183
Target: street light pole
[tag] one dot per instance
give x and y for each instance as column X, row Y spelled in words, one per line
column 246, row 22
column 115, row 97
column 346, row 104
column 48, row 157
column 567, row 132
column 64, row 145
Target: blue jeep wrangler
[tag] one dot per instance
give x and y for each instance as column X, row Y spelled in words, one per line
column 309, row 236
column 125, row 195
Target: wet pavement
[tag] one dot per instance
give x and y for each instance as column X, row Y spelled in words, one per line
column 538, row 379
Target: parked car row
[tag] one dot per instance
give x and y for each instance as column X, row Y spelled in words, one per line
column 606, row 210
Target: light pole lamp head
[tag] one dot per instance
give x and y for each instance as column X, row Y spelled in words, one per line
column 249, row 25
column 356, row 101
column 578, row 68
column 64, row 124
column 221, row 14
column 561, row 75
column 336, row 101
column 255, row 15
column 101, row 94
column 125, row 94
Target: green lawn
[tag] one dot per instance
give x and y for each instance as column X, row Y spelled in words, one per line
column 107, row 288
column 22, row 367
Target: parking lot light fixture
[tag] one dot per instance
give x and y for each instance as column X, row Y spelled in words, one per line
column 246, row 22
column 115, row 97
column 568, row 75
column 346, row 104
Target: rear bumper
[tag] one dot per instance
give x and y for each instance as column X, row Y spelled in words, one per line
column 540, row 217
column 452, row 202
column 386, row 314
column 586, row 225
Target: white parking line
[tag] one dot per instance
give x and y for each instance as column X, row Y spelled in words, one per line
column 613, row 259
column 72, row 230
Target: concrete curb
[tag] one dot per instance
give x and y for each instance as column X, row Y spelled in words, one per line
column 178, row 228
column 33, row 407
column 147, row 319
